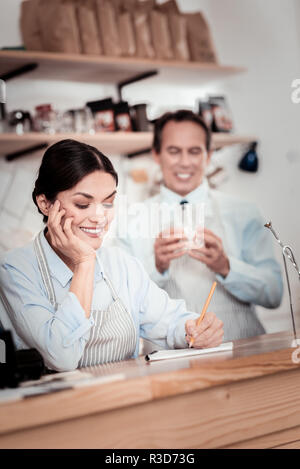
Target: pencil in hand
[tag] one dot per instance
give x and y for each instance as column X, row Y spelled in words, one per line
column 199, row 320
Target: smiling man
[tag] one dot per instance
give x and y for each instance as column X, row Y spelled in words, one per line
column 237, row 251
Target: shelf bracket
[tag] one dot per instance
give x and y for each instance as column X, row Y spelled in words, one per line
column 13, row 74
column 19, row 71
column 134, row 79
column 8, row 76
column 139, row 152
column 18, row 154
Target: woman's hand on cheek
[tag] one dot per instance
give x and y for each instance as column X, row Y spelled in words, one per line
column 63, row 238
column 80, row 251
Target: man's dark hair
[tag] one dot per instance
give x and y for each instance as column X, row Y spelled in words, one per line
column 182, row 115
column 64, row 164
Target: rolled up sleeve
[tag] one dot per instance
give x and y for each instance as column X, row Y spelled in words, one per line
column 59, row 335
column 255, row 277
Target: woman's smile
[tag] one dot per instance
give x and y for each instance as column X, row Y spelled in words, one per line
column 94, row 232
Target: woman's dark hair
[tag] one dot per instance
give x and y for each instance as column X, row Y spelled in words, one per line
column 182, row 115
column 64, row 164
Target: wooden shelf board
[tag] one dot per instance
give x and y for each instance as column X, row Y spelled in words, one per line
column 110, row 143
column 220, row 140
column 96, row 69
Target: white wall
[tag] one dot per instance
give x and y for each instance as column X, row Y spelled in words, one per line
column 263, row 36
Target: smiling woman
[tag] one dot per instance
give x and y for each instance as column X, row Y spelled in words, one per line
column 77, row 302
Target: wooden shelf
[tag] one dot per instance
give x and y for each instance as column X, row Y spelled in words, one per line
column 113, row 70
column 110, row 143
column 103, row 69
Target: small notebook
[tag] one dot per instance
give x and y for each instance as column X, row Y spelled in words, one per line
column 187, row 352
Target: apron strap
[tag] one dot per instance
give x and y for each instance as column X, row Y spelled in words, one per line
column 106, row 279
column 110, row 286
column 44, row 269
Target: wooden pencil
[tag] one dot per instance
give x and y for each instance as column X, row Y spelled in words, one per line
column 199, row 320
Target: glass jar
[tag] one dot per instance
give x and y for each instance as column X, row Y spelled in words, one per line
column 45, row 119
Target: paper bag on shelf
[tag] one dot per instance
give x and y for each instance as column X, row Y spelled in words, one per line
column 169, row 7
column 179, row 35
column 141, row 19
column 107, row 22
column 200, row 40
column 88, row 27
column 29, row 26
column 125, row 24
column 178, row 29
column 161, row 35
column 58, row 23
column 125, row 10
column 125, row 5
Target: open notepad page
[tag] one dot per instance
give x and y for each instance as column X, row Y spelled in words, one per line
column 187, row 352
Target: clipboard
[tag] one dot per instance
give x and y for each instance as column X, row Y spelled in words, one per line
column 187, row 352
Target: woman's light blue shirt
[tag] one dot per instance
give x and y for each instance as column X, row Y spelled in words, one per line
column 61, row 335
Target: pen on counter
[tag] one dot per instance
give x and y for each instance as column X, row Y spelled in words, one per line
column 204, row 310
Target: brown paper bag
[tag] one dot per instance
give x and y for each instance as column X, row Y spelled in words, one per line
column 161, row 35
column 107, row 22
column 125, row 9
column 141, row 19
column 30, row 30
column 169, row 7
column 125, row 5
column 126, row 30
column 178, row 29
column 58, row 23
column 179, row 37
column 88, row 27
column 200, row 40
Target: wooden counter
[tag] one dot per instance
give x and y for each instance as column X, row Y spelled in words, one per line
column 247, row 398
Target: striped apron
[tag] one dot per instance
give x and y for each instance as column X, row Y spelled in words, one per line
column 113, row 336
column 191, row 280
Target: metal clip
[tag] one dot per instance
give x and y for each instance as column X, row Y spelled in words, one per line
column 287, row 252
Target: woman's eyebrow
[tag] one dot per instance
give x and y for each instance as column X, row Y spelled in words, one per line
column 88, row 196
column 113, row 193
